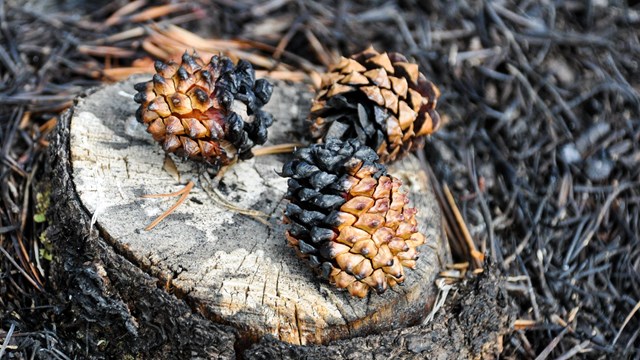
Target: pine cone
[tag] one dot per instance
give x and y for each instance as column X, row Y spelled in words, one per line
column 188, row 108
column 381, row 99
column 348, row 218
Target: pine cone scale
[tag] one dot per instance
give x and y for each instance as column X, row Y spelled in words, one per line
column 161, row 86
column 383, row 61
column 379, row 78
column 399, row 86
column 354, row 78
column 391, row 100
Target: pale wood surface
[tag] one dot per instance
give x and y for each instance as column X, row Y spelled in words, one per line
column 227, row 266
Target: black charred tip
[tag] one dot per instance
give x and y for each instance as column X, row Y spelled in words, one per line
column 306, row 248
column 263, row 90
column 159, row 66
column 183, row 74
column 326, row 270
column 288, row 169
column 321, row 235
column 201, row 95
column 140, row 97
column 141, row 86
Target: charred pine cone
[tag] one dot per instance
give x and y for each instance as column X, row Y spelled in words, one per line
column 188, row 108
column 381, row 99
column 348, row 218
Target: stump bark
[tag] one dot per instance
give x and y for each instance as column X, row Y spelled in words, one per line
column 208, row 281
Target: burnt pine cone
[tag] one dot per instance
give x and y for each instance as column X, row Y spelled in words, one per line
column 188, row 108
column 348, row 218
column 381, row 99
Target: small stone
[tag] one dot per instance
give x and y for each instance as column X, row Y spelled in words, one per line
column 569, row 154
column 598, row 168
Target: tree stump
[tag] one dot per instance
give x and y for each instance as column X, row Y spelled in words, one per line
column 235, row 269
column 208, row 281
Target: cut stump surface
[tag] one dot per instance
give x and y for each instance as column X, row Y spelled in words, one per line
column 227, row 266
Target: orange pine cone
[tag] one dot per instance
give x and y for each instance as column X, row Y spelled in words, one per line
column 381, row 99
column 187, row 108
column 348, row 218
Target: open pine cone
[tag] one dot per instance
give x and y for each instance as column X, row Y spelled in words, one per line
column 188, row 108
column 348, row 217
column 381, row 99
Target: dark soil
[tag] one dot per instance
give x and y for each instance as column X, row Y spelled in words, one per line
column 541, row 146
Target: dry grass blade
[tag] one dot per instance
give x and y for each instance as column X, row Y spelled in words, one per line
column 626, row 321
column 158, row 11
column 127, row 9
column 276, row 149
column 597, row 221
column 453, row 233
column 121, row 73
column 582, row 347
column 476, row 256
column 171, row 42
column 218, row 197
column 7, row 338
column 323, row 55
column 20, row 269
column 524, row 324
column 128, row 34
column 552, row 345
column 156, row 51
column 188, row 38
column 111, row 51
column 267, row 7
column 183, row 193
